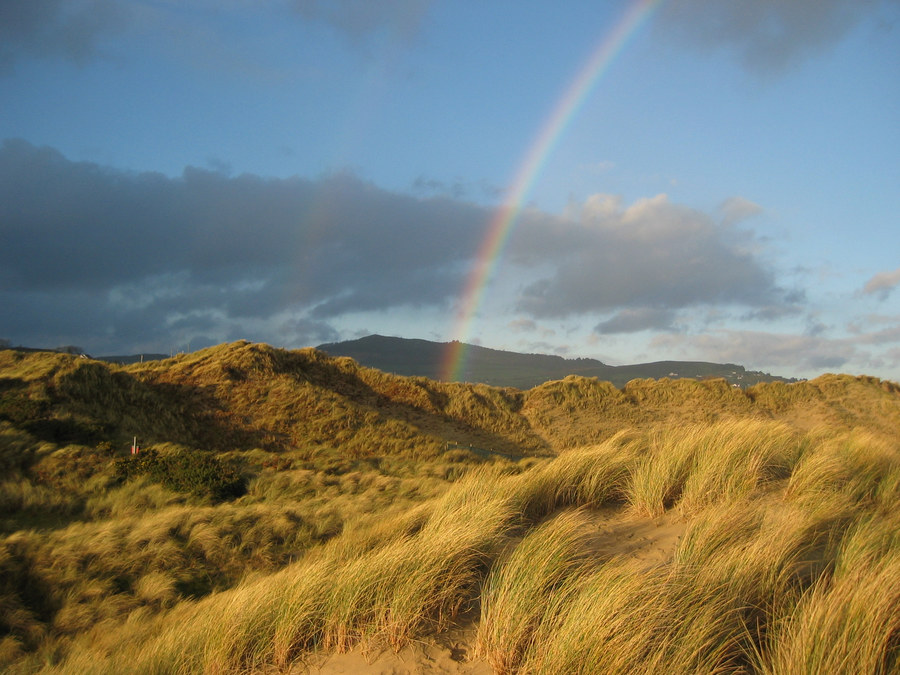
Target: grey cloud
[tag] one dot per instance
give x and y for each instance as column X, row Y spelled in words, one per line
column 635, row 320
column 82, row 30
column 766, row 35
column 56, row 28
column 890, row 335
column 774, row 312
column 815, row 328
column 97, row 256
column 425, row 185
column 220, row 165
column 653, row 254
column 360, row 19
column 54, row 318
column 458, row 189
column 149, row 249
column 308, row 331
column 519, row 325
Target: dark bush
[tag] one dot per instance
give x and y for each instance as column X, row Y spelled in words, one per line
column 17, row 407
column 66, row 430
column 196, row 472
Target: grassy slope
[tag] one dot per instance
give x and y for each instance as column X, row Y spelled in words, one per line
column 358, row 527
column 246, row 396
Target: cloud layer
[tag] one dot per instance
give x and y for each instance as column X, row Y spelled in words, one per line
column 97, row 254
column 766, row 35
column 56, row 28
column 651, row 255
column 240, row 247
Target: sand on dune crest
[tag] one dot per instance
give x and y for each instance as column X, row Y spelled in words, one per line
column 449, row 653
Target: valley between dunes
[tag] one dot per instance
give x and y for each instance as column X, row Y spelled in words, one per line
column 290, row 512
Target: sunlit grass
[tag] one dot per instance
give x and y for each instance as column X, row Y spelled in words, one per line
column 359, row 528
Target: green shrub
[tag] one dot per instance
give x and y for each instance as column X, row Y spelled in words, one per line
column 17, row 407
column 199, row 473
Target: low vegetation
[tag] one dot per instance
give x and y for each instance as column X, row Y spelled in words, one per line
column 286, row 505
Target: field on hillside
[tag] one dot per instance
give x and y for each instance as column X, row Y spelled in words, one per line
column 287, row 507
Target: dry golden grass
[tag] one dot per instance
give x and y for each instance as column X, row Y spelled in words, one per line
column 359, row 530
column 524, row 583
column 765, row 579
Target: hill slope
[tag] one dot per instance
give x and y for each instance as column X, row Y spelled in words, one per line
column 244, row 396
column 510, row 369
column 675, row 525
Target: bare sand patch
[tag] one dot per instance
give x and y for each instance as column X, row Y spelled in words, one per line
column 649, row 542
column 446, row 654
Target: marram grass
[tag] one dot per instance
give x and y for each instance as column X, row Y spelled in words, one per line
column 789, row 563
column 522, row 584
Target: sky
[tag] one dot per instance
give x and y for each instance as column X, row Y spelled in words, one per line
column 627, row 180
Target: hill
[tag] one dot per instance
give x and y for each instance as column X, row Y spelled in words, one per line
column 290, row 511
column 404, row 356
column 244, row 395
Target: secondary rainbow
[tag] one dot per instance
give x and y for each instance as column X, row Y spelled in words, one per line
column 500, row 226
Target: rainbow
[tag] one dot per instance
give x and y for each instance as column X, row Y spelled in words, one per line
column 501, row 225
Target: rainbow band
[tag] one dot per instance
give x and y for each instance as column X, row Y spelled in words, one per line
column 501, row 225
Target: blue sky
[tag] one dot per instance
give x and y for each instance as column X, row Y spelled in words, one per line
column 178, row 174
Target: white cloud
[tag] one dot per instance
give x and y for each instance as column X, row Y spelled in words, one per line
column 737, row 209
column 882, row 284
column 784, row 354
column 650, row 254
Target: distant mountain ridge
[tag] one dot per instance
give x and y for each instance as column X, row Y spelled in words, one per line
column 406, row 356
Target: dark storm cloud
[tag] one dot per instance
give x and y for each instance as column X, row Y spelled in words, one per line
column 56, row 28
column 653, row 254
column 94, row 227
column 226, row 247
column 767, row 35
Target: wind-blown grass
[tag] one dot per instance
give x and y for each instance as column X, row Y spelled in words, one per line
column 521, row 585
column 699, row 465
column 364, row 535
column 772, row 567
column 849, row 621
